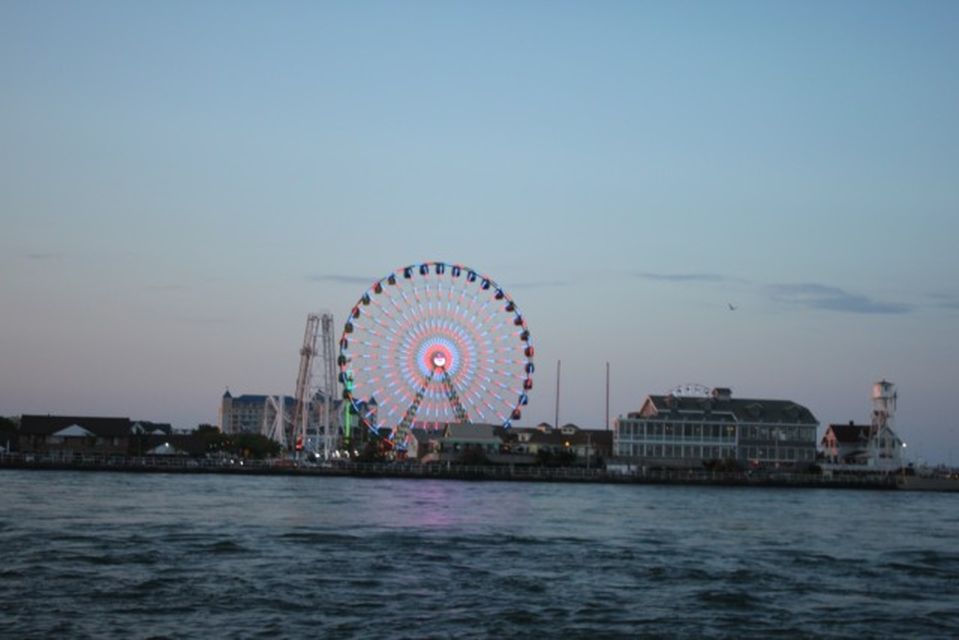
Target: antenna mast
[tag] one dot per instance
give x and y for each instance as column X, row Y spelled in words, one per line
column 559, row 364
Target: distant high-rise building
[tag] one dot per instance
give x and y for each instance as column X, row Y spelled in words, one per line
column 251, row 413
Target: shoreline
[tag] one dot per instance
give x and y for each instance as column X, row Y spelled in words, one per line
column 575, row 475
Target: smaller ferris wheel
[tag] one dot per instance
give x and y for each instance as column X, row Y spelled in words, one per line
column 434, row 343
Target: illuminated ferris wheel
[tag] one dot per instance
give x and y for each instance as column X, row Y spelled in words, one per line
column 434, row 343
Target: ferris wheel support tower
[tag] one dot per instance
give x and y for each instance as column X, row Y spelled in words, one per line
column 328, row 441
column 304, row 383
column 318, row 328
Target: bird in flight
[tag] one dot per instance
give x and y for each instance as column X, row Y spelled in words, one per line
column 731, row 307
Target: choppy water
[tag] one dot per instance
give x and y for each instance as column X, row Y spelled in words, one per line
column 147, row 556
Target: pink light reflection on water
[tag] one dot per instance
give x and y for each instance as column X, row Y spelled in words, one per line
column 439, row 504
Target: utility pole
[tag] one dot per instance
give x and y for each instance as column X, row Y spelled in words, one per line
column 607, row 396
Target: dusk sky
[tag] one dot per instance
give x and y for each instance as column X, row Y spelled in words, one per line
column 182, row 182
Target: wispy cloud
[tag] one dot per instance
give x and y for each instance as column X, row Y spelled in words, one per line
column 206, row 320
column 166, row 288
column 53, row 255
column 542, row 284
column 819, row 296
column 682, row 277
column 945, row 300
column 341, row 279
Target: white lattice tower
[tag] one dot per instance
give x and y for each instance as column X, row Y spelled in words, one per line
column 304, row 384
column 328, row 442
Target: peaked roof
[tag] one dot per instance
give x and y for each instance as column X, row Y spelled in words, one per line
column 732, row 409
column 101, row 427
column 247, row 398
column 73, row 431
column 850, row 433
column 425, row 435
column 552, row 437
column 156, row 428
column 594, row 438
column 472, row 431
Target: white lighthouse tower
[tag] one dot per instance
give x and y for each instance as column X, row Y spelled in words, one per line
column 884, row 447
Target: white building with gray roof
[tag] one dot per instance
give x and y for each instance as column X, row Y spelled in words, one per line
column 682, row 431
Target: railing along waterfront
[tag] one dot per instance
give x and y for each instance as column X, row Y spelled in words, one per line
column 444, row 470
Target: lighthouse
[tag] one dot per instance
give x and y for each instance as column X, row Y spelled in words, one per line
column 884, row 447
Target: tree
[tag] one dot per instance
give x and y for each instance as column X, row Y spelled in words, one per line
column 253, row 445
column 373, row 451
column 8, row 434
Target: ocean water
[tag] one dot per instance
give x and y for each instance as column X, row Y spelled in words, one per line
column 113, row 555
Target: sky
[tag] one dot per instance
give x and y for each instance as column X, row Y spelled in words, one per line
column 181, row 183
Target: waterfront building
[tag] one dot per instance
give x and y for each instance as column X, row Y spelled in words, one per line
column 424, row 444
column 579, row 444
column 592, row 446
column 86, row 435
column 867, row 448
column 690, row 431
column 845, row 443
column 461, row 438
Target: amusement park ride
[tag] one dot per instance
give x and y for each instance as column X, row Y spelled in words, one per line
column 313, row 399
column 430, row 344
column 427, row 345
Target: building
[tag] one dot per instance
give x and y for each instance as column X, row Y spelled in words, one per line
column 86, row 435
column 690, row 431
column 463, row 440
column 251, row 413
column 869, row 448
column 845, row 443
column 592, row 446
column 569, row 443
column 424, row 445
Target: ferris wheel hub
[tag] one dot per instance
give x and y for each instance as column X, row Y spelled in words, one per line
column 439, row 360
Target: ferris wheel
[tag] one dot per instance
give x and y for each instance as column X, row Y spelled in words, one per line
column 433, row 343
